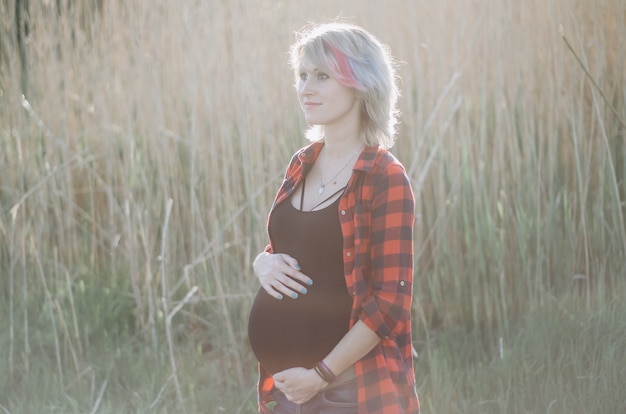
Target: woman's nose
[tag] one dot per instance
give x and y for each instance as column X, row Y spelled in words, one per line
column 306, row 88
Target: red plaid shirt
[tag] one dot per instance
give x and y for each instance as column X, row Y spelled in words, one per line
column 377, row 216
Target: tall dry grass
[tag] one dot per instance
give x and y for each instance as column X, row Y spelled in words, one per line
column 138, row 169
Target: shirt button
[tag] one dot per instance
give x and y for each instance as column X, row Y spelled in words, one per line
column 353, row 293
column 348, row 254
column 343, row 212
column 402, row 283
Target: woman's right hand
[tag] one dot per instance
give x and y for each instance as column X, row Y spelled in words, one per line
column 280, row 275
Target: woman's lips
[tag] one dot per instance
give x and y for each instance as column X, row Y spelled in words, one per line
column 310, row 105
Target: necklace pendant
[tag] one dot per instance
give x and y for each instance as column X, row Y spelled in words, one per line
column 320, row 191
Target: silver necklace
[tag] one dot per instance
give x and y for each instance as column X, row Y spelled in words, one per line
column 323, row 185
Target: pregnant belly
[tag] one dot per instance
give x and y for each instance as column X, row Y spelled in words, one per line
column 297, row 332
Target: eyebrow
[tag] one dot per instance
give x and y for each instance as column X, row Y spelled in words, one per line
column 302, row 68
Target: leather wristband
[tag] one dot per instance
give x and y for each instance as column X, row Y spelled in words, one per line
column 325, row 372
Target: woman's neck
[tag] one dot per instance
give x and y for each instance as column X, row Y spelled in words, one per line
column 337, row 146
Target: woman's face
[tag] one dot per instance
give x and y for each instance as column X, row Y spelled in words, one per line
column 323, row 99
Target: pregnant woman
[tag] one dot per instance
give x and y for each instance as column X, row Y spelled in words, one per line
column 331, row 325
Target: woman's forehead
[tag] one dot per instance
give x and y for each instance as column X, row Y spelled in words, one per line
column 307, row 64
column 310, row 62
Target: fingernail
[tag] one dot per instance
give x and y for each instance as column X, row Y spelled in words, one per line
column 294, row 295
column 303, row 291
column 297, row 267
column 309, row 282
column 279, row 297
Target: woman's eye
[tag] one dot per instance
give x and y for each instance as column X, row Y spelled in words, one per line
column 303, row 76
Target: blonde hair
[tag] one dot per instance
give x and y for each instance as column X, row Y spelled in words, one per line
column 357, row 60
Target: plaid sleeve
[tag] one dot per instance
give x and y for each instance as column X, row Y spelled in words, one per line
column 386, row 309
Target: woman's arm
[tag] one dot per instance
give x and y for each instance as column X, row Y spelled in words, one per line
column 357, row 343
column 386, row 302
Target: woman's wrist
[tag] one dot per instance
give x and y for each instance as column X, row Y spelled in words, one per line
column 316, row 381
column 325, row 372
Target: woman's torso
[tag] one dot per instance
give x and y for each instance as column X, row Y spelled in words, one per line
column 288, row 333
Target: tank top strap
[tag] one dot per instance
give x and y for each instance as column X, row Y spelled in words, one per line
column 328, row 198
column 302, row 193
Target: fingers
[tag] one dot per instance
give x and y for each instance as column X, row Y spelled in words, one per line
column 279, row 286
column 280, row 275
column 272, row 292
column 292, row 270
column 296, row 384
column 279, row 377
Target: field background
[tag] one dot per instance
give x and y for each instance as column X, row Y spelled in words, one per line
column 142, row 142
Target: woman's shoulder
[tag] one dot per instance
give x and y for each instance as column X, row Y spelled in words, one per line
column 386, row 172
column 387, row 163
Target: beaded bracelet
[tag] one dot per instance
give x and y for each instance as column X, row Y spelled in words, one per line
column 325, row 372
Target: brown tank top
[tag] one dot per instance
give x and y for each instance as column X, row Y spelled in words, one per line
column 297, row 333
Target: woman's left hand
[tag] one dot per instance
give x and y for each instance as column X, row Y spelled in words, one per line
column 299, row 384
